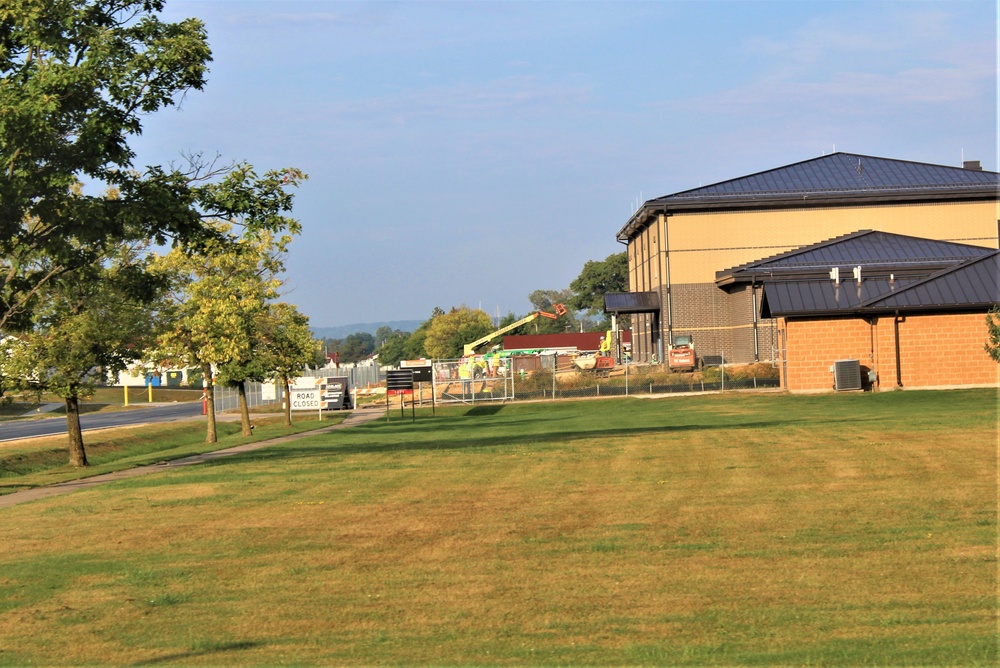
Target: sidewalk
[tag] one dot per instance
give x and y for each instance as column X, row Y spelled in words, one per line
column 355, row 418
column 44, row 408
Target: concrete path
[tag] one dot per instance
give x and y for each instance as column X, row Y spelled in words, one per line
column 45, row 408
column 355, row 418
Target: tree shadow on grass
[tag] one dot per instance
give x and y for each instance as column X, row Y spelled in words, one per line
column 484, row 410
column 214, row 648
column 389, row 438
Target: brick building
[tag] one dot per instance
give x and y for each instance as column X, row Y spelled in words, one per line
column 909, row 312
column 678, row 243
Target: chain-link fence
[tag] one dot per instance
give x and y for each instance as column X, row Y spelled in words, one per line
column 228, row 398
column 369, row 375
column 558, row 377
column 532, row 377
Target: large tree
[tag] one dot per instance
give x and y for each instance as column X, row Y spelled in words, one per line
column 598, row 278
column 76, row 79
column 545, row 301
column 392, row 346
column 88, row 327
column 449, row 332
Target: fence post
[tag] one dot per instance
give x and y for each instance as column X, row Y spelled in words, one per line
column 723, row 371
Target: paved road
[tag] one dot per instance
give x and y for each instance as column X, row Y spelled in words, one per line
column 54, row 426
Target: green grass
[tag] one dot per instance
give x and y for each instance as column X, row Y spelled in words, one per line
column 723, row 530
column 38, row 462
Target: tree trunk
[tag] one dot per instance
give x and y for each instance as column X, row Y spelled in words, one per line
column 77, row 455
column 206, row 370
column 241, row 389
column 288, row 402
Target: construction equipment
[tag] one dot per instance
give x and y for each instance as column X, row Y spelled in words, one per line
column 680, row 357
column 470, row 348
column 594, row 362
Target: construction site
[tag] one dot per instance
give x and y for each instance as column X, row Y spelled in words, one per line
column 502, row 367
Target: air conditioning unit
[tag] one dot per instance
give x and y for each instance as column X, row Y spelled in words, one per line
column 847, row 375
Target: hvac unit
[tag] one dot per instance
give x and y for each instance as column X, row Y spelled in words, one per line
column 847, row 375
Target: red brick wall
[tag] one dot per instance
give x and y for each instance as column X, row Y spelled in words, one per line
column 943, row 350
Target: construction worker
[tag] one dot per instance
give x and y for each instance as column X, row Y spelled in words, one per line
column 465, row 375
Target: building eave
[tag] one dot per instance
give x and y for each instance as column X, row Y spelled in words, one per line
column 805, row 200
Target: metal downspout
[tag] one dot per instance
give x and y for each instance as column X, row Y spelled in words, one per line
column 753, row 302
column 666, row 268
column 895, row 327
column 871, row 344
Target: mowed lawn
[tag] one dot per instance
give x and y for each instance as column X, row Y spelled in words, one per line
column 738, row 529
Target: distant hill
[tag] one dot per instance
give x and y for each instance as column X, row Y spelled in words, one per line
column 346, row 330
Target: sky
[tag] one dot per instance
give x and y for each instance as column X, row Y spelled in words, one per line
column 469, row 153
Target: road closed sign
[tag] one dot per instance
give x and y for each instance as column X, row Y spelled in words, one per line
column 305, row 400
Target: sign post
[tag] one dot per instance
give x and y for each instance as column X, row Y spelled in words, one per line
column 423, row 372
column 399, row 383
column 306, row 399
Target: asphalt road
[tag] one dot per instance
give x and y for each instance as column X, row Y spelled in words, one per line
column 54, row 426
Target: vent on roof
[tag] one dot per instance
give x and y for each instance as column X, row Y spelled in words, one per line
column 847, row 375
column 973, row 165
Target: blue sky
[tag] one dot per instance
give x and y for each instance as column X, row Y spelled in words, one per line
column 470, row 153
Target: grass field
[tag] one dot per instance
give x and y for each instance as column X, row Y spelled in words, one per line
column 805, row 530
column 36, row 462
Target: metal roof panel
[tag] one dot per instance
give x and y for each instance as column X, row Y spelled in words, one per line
column 632, row 302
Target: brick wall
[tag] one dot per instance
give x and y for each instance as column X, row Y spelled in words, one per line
column 720, row 322
column 944, row 350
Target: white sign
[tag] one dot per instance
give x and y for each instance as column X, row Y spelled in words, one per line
column 305, row 399
column 268, row 391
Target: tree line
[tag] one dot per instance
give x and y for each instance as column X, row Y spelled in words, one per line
column 444, row 334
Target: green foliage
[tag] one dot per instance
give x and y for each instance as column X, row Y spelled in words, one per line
column 88, row 325
column 448, row 333
column 393, row 346
column 597, row 279
column 993, row 328
column 284, row 341
column 356, row 347
column 76, row 77
column 416, row 345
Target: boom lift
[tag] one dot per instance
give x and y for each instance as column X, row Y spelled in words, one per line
column 470, row 348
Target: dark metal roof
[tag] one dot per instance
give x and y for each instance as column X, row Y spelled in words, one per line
column 822, row 296
column 971, row 284
column 843, row 172
column 871, row 250
column 975, row 283
column 830, row 179
column 632, row 302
